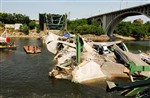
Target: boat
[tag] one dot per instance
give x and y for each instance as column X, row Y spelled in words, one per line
column 32, row 49
column 5, row 42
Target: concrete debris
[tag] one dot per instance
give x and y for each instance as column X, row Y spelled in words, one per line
column 97, row 60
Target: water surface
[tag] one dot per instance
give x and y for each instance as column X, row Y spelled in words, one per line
column 134, row 46
column 26, row 76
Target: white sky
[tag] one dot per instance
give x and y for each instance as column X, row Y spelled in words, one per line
column 77, row 8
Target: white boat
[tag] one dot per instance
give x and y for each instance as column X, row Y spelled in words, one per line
column 5, row 42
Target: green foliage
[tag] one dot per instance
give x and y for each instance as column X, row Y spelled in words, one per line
column 147, row 26
column 147, row 23
column 8, row 18
column 38, row 28
column 32, row 24
column 136, row 30
column 75, row 23
column 95, row 23
column 124, row 28
column 24, row 29
column 81, row 26
column 1, row 24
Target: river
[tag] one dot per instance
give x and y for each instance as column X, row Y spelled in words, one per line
column 26, row 75
column 134, row 46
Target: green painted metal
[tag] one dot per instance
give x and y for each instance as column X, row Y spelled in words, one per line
column 131, row 85
column 130, row 88
column 137, row 86
column 140, row 86
column 53, row 21
column 78, row 49
column 134, row 68
column 134, row 91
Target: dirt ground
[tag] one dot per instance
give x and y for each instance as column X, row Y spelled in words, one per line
column 32, row 33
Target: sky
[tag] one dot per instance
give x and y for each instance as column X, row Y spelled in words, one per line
column 75, row 9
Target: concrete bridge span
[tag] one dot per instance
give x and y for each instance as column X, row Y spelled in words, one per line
column 109, row 20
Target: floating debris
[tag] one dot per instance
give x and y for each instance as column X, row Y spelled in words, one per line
column 33, row 49
column 79, row 60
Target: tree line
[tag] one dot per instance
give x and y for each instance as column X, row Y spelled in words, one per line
column 8, row 18
column 81, row 26
column 135, row 29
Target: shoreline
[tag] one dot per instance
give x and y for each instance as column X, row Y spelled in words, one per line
column 23, row 36
column 129, row 38
column 92, row 37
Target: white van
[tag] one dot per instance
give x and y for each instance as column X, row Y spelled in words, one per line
column 105, row 49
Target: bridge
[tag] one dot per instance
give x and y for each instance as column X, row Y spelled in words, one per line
column 108, row 21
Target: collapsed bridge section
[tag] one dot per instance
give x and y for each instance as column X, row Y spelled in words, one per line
column 52, row 21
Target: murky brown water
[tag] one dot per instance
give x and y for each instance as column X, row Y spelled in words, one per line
column 26, row 76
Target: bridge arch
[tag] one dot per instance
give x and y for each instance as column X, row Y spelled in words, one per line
column 110, row 27
column 111, row 19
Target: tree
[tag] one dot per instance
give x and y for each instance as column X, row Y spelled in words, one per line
column 25, row 20
column 95, row 23
column 8, row 18
column 81, row 26
column 72, row 25
column 1, row 24
column 136, row 30
column 147, row 27
column 38, row 28
column 124, row 28
column 32, row 24
column 147, row 23
column 24, row 29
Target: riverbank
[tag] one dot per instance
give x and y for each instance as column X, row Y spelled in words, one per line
column 124, row 37
column 96, row 38
column 103, row 38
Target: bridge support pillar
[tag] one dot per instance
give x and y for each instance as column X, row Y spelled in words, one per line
column 104, row 24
